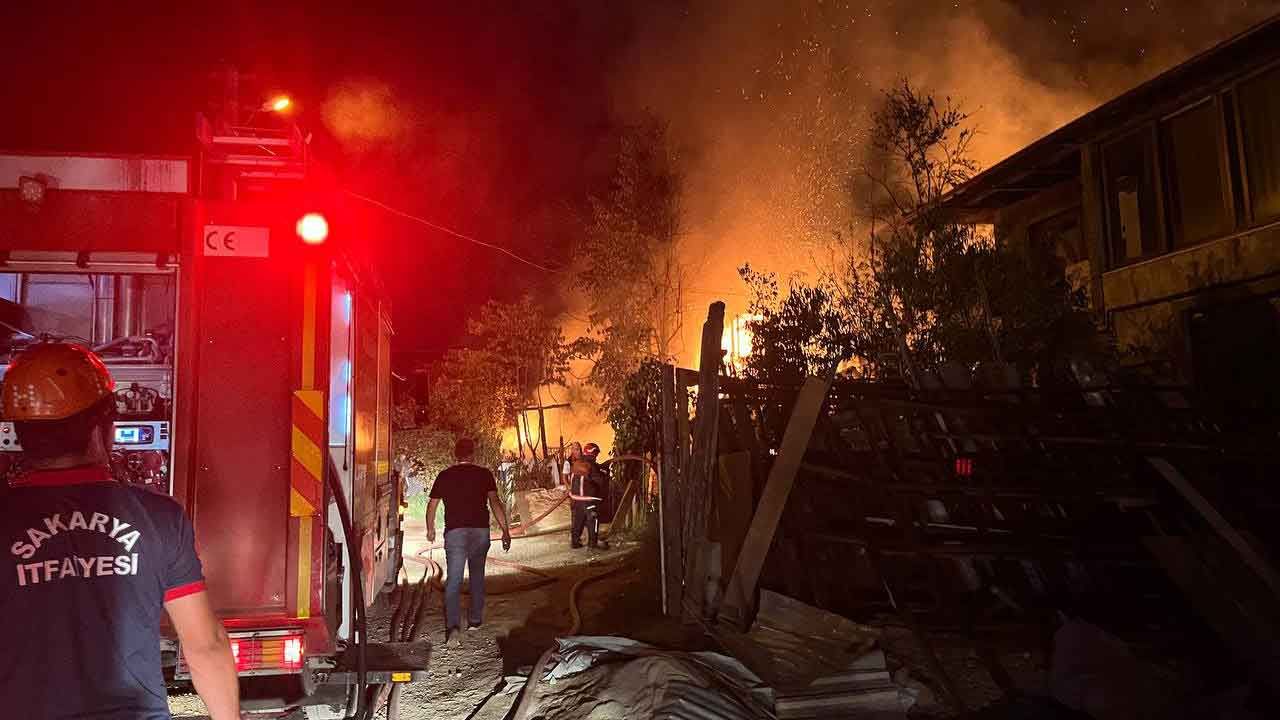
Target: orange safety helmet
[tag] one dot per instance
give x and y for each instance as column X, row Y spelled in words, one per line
column 53, row 381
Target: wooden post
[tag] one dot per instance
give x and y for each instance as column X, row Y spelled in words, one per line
column 739, row 598
column 528, row 437
column 701, row 476
column 733, row 507
column 542, row 430
column 1093, row 213
column 669, row 498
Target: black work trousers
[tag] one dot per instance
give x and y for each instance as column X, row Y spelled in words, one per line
column 584, row 515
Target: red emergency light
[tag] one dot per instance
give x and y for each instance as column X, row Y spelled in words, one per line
column 964, row 467
column 313, row 228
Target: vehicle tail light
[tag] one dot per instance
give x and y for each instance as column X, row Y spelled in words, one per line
column 293, row 652
column 258, row 654
column 964, row 467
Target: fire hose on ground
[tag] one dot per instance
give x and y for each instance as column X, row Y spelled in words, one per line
column 413, row 603
column 526, row 694
column 406, row 623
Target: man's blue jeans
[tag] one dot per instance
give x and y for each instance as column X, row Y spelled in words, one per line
column 464, row 547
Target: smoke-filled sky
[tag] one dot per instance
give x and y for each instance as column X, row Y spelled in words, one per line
column 769, row 100
column 495, row 118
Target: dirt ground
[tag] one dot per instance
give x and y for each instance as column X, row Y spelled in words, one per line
column 525, row 610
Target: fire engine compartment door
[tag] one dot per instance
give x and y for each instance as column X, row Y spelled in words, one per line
column 242, row 422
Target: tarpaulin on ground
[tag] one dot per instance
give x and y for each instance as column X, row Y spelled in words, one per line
column 600, row 678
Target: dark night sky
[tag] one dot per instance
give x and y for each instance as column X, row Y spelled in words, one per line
column 480, row 118
column 494, row 118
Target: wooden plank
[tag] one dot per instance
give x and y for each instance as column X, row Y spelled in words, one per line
column 733, row 507
column 698, row 482
column 746, row 430
column 682, row 428
column 556, row 406
column 669, row 498
column 740, row 595
column 1242, row 616
column 1251, row 558
column 542, row 432
column 1091, row 228
column 624, row 516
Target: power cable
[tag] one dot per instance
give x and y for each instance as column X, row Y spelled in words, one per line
column 499, row 248
column 449, row 231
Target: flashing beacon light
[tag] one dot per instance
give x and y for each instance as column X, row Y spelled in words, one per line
column 313, row 228
column 279, row 103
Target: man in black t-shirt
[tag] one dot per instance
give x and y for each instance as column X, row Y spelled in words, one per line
column 466, row 489
column 92, row 563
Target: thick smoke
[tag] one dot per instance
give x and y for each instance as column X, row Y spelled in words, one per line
column 769, row 100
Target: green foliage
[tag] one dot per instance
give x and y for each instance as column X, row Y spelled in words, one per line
column 797, row 335
column 631, row 248
column 920, row 290
column 637, row 417
column 922, row 147
column 513, row 348
column 422, row 453
column 470, row 396
column 523, row 342
column 1040, row 319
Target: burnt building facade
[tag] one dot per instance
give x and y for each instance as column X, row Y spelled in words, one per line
column 1165, row 204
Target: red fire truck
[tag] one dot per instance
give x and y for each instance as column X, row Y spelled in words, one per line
column 250, row 345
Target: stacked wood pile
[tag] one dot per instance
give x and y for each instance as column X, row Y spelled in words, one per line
column 969, row 506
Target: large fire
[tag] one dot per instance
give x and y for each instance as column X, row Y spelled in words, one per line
column 737, row 340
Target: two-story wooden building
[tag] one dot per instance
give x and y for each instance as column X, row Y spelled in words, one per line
column 1165, row 204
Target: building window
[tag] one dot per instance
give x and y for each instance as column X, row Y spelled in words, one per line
column 1259, row 101
column 1195, row 176
column 1062, row 233
column 1131, row 197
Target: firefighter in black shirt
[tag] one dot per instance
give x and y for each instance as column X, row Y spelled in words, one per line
column 92, row 563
